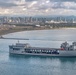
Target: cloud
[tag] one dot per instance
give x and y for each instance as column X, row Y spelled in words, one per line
column 38, row 7
column 30, row 0
column 64, row 5
column 63, row 0
column 54, row 0
column 32, row 4
column 7, row 5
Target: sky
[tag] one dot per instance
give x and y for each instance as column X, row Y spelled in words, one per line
column 37, row 7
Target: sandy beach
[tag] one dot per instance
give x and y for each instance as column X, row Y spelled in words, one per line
column 11, row 29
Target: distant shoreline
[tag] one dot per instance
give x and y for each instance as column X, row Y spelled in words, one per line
column 24, row 28
column 7, row 30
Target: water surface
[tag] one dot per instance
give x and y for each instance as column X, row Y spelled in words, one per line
column 35, row 65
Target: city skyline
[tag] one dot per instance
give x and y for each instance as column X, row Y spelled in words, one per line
column 38, row 7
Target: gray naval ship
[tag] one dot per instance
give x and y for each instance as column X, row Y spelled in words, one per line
column 25, row 49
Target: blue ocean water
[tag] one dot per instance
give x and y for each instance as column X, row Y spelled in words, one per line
column 36, row 65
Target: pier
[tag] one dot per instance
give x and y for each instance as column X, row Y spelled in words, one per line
column 14, row 38
column 1, row 37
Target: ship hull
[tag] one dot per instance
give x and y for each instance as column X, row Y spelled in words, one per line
column 65, row 50
column 61, row 54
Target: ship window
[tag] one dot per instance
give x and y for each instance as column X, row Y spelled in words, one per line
column 16, row 48
column 55, row 52
column 40, row 50
column 10, row 47
column 49, row 50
